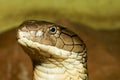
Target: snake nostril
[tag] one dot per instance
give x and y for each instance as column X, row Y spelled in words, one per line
column 21, row 35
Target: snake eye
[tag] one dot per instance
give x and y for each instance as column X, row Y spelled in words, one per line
column 52, row 30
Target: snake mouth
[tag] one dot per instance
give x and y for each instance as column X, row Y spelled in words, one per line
column 47, row 49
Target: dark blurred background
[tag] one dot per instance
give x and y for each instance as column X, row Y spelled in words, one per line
column 97, row 22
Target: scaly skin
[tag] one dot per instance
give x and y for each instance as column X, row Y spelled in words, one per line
column 56, row 52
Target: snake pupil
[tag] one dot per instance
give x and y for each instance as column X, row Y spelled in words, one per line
column 52, row 30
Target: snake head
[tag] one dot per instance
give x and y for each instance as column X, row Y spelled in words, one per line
column 41, row 38
column 54, row 50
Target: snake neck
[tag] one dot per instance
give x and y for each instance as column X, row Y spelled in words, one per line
column 57, row 69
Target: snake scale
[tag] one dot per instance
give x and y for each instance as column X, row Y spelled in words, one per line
column 56, row 52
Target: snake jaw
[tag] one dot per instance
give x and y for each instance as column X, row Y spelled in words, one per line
column 49, row 50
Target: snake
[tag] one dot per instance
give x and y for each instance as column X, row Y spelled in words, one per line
column 56, row 52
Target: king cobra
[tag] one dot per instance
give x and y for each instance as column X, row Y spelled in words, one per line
column 56, row 52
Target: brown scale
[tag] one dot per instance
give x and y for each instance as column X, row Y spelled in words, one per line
column 69, row 41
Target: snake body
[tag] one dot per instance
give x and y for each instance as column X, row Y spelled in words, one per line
column 57, row 53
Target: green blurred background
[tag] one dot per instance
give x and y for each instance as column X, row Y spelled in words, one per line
column 99, row 14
